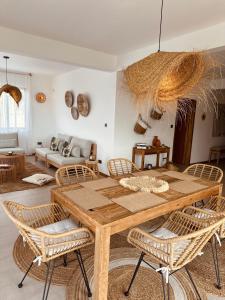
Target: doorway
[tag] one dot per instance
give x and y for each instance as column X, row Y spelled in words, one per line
column 183, row 134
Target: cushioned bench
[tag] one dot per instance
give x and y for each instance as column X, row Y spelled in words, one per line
column 9, row 142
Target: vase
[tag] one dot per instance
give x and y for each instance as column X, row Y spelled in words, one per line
column 156, row 141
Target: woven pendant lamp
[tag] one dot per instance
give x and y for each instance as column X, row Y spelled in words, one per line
column 13, row 91
column 168, row 76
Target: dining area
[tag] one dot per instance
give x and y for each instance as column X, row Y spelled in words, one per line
column 114, row 227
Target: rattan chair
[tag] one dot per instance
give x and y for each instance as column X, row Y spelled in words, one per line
column 73, row 174
column 50, row 233
column 180, row 239
column 120, row 167
column 206, row 172
column 215, row 205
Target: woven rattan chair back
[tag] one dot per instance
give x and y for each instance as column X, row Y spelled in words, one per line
column 73, row 174
column 193, row 234
column 121, row 166
column 204, row 171
column 44, row 245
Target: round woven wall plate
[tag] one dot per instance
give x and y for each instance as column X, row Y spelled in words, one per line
column 74, row 113
column 69, row 99
column 83, row 105
column 40, row 97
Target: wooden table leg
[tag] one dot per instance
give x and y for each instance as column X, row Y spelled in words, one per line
column 157, row 160
column 101, row 264
column 142, row 160
column 133, row 156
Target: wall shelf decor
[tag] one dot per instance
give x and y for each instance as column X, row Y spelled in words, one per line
column 69, row 99
column 40, row 97
column 75, row 113
column 83, row 105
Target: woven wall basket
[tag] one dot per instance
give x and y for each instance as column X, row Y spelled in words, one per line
column 167, row 76
column 13, row 91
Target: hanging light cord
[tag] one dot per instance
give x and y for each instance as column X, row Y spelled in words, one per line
column 160, row 26
column 6, row 68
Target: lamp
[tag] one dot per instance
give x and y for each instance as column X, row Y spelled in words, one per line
column 13, row 91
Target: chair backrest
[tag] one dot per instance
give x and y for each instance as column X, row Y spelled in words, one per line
column 73, row 174
column 121, row 166
column 204, row 171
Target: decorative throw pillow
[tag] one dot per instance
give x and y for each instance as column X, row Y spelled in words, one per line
column 67, row 151
column 62, row 145
column 39, row 179
column 54, row 144
column 75, row 151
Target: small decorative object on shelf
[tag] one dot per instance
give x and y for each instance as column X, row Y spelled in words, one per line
column 92, row 157
column 145, row 184
column 39, row 144
column 75, row 113
column 141, row 146
column 156, row 141
column 40, row 97
column 83, row 105
column 149, row 166
column 10, row 153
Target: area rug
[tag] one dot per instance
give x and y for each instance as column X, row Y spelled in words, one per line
column 203, row 271
column 123, row 258
column 147, row 284
column 20, row 185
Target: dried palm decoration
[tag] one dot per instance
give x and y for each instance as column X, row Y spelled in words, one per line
column 168, row 76
column 13, row 91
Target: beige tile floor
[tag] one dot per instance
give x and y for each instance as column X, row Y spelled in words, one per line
column 9, row 272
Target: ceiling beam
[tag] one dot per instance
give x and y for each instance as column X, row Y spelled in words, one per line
column 21, row 43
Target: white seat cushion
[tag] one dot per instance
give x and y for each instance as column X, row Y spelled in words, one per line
column 15, row 150
column 39, row 179
column 44, row 151
column 61, row 160
column 54, row 245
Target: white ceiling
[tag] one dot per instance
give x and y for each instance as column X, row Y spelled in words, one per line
column 111, row 26
column 24, row 64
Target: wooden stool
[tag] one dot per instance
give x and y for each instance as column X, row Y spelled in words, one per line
column 93, row 165
column 7, row 173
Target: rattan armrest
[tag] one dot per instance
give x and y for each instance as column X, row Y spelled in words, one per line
column 65, row 234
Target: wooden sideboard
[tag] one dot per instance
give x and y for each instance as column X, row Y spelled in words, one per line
column 151, row 151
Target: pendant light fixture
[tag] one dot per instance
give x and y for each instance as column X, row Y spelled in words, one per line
column 13, row 91
column 163, row 77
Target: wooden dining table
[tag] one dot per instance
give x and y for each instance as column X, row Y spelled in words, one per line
column 107, row 208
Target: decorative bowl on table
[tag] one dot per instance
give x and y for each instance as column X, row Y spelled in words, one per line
column 145, row 184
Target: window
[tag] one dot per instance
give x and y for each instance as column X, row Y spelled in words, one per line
column 12, row 116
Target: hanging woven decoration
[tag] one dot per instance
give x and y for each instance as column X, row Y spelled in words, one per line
column 168, row 76
column 13, row 91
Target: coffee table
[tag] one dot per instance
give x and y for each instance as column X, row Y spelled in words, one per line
column 7, row 173
column 17, row 159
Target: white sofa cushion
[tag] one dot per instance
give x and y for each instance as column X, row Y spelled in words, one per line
column 9, row 140
column 38, row 179
column 64, row 137
column 44, row 151
column 15, row 150
column 61, row 160
column 85, row 146
column 75, row 151
column 59, row 227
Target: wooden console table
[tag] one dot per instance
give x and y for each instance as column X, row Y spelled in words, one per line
column 151, row 151
column 217, row 151
column 18, row 160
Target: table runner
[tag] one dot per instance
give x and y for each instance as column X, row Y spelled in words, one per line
column 179, row 175
column 186, row 187
column 152, row 173
column 100, row 183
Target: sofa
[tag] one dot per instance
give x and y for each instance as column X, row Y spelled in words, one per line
column 9, row 142
column 55, row 158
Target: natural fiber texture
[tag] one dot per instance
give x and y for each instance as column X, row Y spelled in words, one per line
column 168, row 76
column 192, row 235
column 73, row 174
column 13, row 91
column 44, row 245
column 147, row 284
column 206, row 172
column 23, row 255
column 121, row 166
column 19, row 185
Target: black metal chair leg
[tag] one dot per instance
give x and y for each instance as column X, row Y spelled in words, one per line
column 135, row 273
column 216, row 262
column 48, row 279
column 193, row 284
column 163, row 284
column 20, row 285
column 81, row 264
column 65, row 260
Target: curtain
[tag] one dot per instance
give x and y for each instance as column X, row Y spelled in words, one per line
column 18, row 119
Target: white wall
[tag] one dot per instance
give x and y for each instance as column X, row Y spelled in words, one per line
column 43, row 121
column 101, row 88
column 125, row 118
